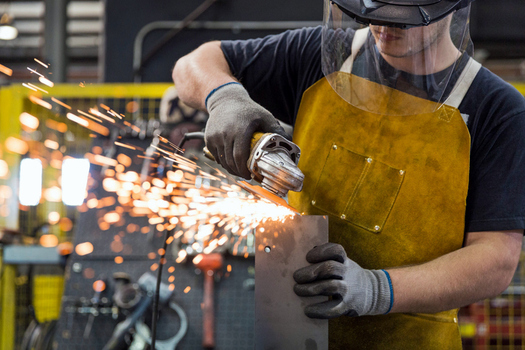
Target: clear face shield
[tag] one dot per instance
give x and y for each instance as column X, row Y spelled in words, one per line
column 390, row 70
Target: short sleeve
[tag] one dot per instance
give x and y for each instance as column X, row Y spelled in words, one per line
column 496, row 198
column 277, row 69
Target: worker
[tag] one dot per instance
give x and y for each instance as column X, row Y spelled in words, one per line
column 414, row 151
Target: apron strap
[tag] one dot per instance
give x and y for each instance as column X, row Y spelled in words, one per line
column 464, row 82
column 358, row 42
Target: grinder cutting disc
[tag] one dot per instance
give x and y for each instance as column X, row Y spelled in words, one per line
column 262, row 193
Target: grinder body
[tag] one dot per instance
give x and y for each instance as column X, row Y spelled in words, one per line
column 273, row 162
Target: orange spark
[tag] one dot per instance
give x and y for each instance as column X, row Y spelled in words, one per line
column 77, row 119
column 144, row 157
column 48, row 241
column 41, row 63
column 51, row 144
column 197, row 259
column 119, row 260
column 60, row 103
column 33, row 87
column 40, row 102
column 53, row 194
column 46, row 81
column 99, row 286
column 155, row 221
column 181, row 256
column 112, row 217
column 16, row 145
column 84, row 248
column 100, row 115
column 4, row 169
column 132, row 107
column 115, row 114
column 124, row 145
column 187, row 289
column 101, row 160
column 66, row 224
column 124, row 160
column 34, row 71
column 29, row 87
column 92, row 203
column 29, row 121
column 89, row 116
column 5, row 70
column 60, row 127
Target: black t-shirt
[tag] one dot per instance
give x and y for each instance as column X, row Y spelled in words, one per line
column 276, row 70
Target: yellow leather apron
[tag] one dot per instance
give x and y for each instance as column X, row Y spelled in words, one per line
column 395, row 190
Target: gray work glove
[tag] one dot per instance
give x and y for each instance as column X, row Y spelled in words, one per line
column 354, row 291
column 234, row 118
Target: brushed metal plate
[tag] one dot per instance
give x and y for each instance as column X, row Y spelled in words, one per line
column 280, row 322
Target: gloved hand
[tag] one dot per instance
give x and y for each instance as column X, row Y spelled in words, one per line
column 234, row 118
column 354, row 291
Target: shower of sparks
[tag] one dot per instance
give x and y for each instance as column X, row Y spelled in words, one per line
column 204, row 209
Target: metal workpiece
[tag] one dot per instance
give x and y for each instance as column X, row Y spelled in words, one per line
column 280, row 322
column 273, row 162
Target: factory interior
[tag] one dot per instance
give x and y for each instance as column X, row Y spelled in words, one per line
column 119, row 231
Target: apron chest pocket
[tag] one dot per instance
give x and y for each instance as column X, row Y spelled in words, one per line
column 357, row 189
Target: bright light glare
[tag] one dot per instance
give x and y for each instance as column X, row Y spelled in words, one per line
column 74, row 180
column 4, row 169
column 30, row 181
column 8, row 32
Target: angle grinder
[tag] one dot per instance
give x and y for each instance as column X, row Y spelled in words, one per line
column 273, row 163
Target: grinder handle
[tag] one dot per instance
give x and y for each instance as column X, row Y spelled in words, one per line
column 255, row 138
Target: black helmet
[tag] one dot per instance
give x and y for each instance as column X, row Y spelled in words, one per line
column 399, row 13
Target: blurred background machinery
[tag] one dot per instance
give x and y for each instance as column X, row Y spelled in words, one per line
column 99, row 47
column 95, row 41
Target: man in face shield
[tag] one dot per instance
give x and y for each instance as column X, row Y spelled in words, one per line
column 414, row 151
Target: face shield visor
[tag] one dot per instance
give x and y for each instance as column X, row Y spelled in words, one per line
column 375, row 67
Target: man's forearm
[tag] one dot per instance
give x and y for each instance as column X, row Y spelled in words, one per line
column 199, row 72
column 482, row 269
